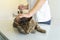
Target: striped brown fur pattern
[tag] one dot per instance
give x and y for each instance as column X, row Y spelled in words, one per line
column 27, row 25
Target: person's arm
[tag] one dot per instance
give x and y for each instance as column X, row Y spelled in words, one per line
column 37, row 5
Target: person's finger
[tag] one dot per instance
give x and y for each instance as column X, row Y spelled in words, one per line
column 20, row 16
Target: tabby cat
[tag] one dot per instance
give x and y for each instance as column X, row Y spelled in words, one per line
column 26, row 25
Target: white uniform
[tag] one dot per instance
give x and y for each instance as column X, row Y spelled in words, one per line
column 42, row 14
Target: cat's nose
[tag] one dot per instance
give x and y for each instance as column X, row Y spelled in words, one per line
column 24, row 23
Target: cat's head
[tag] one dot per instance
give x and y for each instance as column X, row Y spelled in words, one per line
column 24, row 21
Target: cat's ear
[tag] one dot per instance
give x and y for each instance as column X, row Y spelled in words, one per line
column 29, row 18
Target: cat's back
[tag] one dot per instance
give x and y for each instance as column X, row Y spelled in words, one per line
column 32, row 23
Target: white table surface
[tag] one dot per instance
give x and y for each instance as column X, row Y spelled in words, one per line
column 12, row 34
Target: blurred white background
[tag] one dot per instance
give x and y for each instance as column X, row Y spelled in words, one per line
column 55, row 26
column 54, row 34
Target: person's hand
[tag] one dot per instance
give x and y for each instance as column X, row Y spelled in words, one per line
column 21, row 7
column 23, row 15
